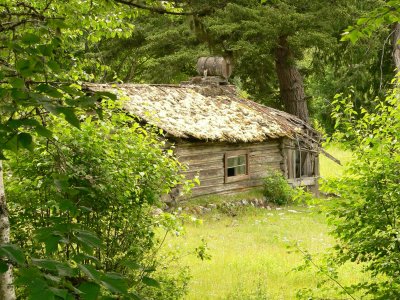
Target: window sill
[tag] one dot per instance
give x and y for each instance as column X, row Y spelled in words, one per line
column 236, row 178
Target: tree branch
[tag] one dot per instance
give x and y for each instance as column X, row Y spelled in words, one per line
column 160, row 10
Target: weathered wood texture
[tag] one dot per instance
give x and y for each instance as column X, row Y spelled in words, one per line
column 207, row 161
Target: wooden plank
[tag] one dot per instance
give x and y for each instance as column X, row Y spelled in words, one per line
column 330, row 157
column 205, row 172
column 274, row 166
column 303, row 181
column 206, row 190
column 201, row 157
column 230, row 192
column 193, row 165
column 217, row 144
column 221, row 148
column 265, row 160
column 255, row 153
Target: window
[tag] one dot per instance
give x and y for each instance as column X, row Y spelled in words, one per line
column 236, row 166
column 300, row 164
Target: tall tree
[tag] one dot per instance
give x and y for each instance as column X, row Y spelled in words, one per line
column 276, row 46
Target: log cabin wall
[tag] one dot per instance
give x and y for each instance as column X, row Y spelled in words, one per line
column 207, row 159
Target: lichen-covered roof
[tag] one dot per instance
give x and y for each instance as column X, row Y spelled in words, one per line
column 211, row 113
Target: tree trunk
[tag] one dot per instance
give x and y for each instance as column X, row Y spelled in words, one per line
column 290, row 81
column 7, row 291
column 396, row 46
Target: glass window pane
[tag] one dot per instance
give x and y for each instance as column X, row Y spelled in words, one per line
column 241, row 170
column 232, row 161
column 242, row 159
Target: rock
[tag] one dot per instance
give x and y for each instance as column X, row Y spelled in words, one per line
column 245, row 202
column 197, row 210
column 269, row 207
column 212, row 206
column 206, row 210
column 157, row 211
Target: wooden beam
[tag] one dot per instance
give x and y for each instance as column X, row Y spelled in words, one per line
column 330, row 157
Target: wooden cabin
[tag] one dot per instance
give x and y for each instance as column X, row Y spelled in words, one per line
column 230, row 142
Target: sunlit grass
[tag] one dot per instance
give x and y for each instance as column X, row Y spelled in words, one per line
column 330, row 169
column 253, row 254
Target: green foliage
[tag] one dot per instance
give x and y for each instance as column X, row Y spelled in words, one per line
column 42, row 62
column 81, row 207
column 365, row 219
column 277, row 190
column 386, row 14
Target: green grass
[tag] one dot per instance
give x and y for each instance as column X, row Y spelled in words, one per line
column 253, row 254
column 329, row 168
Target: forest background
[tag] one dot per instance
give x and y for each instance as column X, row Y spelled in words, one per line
column 287, row 55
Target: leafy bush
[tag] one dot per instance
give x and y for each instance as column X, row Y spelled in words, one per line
column 276, row 189
column 366, row 219
column 81, row 209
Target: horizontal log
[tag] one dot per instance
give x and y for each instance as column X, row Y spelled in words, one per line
column 204, row 165
column 221, row 148
column 265, row 160
column 205, row 190
column 200, row 157
column 230, row 192
column 212, row 172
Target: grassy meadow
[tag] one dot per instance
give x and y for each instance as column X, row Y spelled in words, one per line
column 254, row 252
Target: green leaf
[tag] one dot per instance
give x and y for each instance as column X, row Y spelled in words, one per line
column 2, row 157
column 13, row 253
column 88, row 239
column 131, row 264
column 150, row 282
column 3, row 267
column 18, row 83
column 30, row 38
column 41, row 294
column 70, row 116
column 25, row 140
column 62, row 269
column 26, row 67
column 43, row 131
column 54, row 66
column 115, row 283
column 84, row 257
column 49, row 90
column 46, row 50
column 59, row 292
column 51, row 243
column 90, row 272
column 90, row 291
column 112, row 96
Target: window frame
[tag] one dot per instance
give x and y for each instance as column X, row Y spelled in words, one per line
column 240, row 177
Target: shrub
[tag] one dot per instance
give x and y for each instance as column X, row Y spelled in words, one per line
column 276, row 189
column 81, row 209
column 366, row 219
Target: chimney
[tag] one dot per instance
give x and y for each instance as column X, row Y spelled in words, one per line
column 213, row 80
column 213, row 70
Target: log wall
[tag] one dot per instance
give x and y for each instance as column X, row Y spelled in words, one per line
column 207, row 161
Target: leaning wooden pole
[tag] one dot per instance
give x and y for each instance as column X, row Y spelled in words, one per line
column 7, row 291
column 396, row 46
